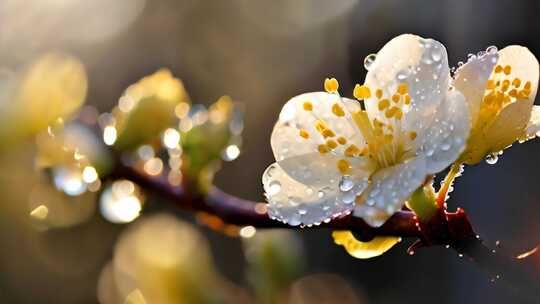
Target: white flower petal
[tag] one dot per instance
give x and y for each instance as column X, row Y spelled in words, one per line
column 508, row 126
column 471, row 79
column 533, row 127
column 420, row 63
column 445, row 139
column 294, row 118
column 309, row 189
column 389, row 189
column 524, row 66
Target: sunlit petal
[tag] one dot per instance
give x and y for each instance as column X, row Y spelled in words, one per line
column 364, row 250
column 389, row 189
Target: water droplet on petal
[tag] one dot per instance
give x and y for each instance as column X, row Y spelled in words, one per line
column 368, row 61
column 403, row 74
column 436, row 54
column 492, row 158
column 492, row 49
column 346, row 183
column 273, row 188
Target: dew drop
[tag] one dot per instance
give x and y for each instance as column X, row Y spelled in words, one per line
column 345, row 183
column 320, row 194
column 492, row 49
column 492, row 158
column 368, row 61
column 436, row 54
column 403, row 74
column 273, row 188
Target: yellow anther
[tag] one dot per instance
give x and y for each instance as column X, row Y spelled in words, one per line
column 513, row 93
column 378, row 93
column 383, row 104
column 390, row 128
column 304, row 134
column 389, row 138
column 407, row 99
column 412, row 135
column 320, row 126
column 527, row 85
column 396, row 98
column 523, row 94
column 331, row 85
column 498, row 69
column 377, row 123
column 342, row 140
column 343, row 166
column 323, row 149
column 328, row 133
column 331, row 144
column 490, row 84
column 391, row 112
column 516, row 82
column 352, row 151
column 308, row 106
column 402, row 89
column 337, row 110
column 399, row 114
column 505, row 85
column 361, row 91
column 507, row 70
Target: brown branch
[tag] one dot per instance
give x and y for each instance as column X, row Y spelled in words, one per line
column 446, row 228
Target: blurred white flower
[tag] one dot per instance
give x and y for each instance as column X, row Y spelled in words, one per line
column 335, row 155
column 500, row 88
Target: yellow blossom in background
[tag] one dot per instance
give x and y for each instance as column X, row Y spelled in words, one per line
column 146, row 108
column 160, row 259
column 51, row 88
column 500, row 88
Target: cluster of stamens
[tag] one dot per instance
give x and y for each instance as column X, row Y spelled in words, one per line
column 379, row 136
column 501, row 89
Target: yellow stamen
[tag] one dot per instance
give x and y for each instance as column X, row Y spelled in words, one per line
column 308, row 106
column 516, row 82
column 351, row 151
column 343, row 166
column 337, row 110
column 396, row 98
column 304, row 134
column 331, row 85
column 361, row 92
column 407, row 99
column 391, row 112
column 331, row 144
column 328, row 133
column 507, row 70
column 323, row 149
column 342, row 140
column 490, row 84
column 412, row 135
column 378, row 93
column 383, row 104
column 403, row 88
column 498, row 69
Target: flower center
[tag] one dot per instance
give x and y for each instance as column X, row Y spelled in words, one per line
column 385, row 141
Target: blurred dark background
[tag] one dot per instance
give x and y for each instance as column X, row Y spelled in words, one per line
column 262, row 53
